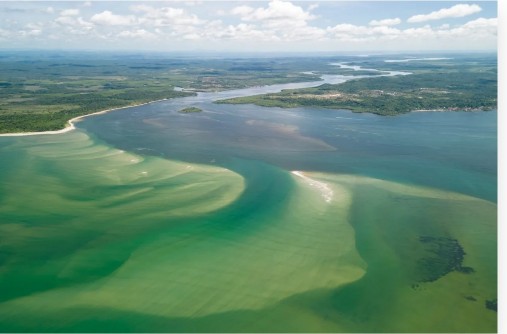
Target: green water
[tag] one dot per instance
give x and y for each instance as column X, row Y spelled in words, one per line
column 147, row 220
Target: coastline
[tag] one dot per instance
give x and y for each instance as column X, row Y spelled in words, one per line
column 70, row 123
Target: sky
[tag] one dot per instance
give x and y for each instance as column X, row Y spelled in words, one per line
column 250, row 26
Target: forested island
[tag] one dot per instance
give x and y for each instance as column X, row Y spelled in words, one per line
column 190, row 110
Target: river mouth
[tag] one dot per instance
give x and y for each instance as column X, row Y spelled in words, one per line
column 251, row 219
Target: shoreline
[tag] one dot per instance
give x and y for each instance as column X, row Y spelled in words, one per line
column 70, row 123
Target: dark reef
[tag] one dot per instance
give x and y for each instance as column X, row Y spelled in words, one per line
column 445, row 255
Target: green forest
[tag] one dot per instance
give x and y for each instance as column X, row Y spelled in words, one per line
column 460, row 86
column 42, row 91
column 190, row 110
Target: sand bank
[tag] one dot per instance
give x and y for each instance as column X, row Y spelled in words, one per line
column 326, row 192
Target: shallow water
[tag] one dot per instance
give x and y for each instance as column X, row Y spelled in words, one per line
column 148, row 220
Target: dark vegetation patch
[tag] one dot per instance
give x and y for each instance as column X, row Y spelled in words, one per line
column 444, row 255
column 492, row 305
column 190, row 110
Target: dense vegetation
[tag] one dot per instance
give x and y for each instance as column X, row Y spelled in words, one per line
column 42, row 91
column 460, row 85
column 190, row 110
column 52, row 108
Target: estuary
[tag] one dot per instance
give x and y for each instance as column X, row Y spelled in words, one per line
column 241, row 218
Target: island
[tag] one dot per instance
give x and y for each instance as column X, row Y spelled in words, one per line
column 189, row 110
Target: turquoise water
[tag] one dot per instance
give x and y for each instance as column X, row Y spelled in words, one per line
column 251, row 219
column 453, row 151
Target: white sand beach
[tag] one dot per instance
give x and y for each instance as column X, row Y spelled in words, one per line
column 70, row 124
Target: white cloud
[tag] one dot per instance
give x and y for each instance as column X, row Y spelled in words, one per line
column 50, row 10
column 192, row 37
column 4, row 34
column 385, row 22
column 33, row 26
column 87, row 4
column 481, row 23
column 348, row 29
column 139, row 33
column 65, row 21
column 33, row 32
column 419, row 33
column 278, row 24
column 69, row 12
column 476, row 30
column 280, row 19
column 74, row 22
column 304, row 33
column 276, row 10
column 313, row 6
column 107, row 18
column 385, row 31
column 242, row 10
column 165, row 16
column 191, row 3
column 141, row 8
column 459, row 10
column 241, row 31
column 481, row 30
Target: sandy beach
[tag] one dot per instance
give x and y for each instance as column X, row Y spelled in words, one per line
column 70, row 123
column 323, row 188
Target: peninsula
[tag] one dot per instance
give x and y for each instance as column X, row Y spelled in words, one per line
column 460, row 85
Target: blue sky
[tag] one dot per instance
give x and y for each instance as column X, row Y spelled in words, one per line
column 276, row 25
